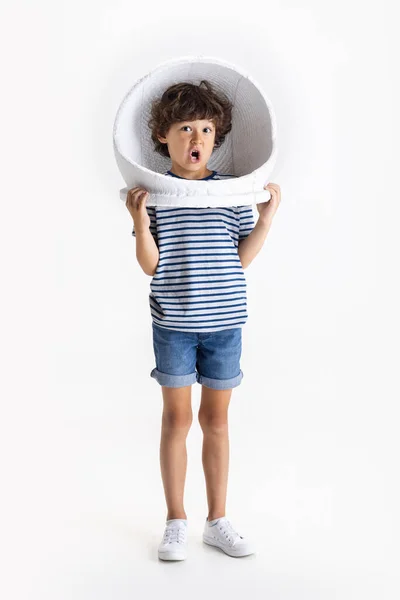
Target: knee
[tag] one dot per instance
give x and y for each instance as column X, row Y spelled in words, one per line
column 213, row 422
column 177, row 420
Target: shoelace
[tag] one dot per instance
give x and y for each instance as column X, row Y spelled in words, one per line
column 231, row 535
column 175, row 533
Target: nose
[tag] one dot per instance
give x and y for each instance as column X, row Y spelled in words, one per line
column 196, row 137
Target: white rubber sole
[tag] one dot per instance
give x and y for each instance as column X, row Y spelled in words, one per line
column 228, row 550
column 171, row 555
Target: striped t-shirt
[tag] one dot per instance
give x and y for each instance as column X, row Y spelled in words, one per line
column 199, row 284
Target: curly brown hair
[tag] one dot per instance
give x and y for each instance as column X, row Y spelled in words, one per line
column 189, row 102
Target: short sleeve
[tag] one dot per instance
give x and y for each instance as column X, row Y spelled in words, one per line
column 246, row 221
column 151, row 211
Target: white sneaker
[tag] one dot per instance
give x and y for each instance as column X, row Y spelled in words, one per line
column 174, row 543
column 221, row 534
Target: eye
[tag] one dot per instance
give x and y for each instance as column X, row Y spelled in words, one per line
column 189, row 126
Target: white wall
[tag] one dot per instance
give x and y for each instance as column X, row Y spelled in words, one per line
column 314, row 425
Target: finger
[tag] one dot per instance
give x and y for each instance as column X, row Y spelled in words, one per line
column 272, row 186
column 271, row 190
column 141, row 195
column 275, row 193
column 143, row 198
column 135, row 191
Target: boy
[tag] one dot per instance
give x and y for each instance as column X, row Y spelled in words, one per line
column 196, row 258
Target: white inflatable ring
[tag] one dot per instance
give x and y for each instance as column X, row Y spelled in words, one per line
column 248, row 151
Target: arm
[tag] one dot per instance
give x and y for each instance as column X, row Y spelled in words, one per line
column 144, row 229
column 147, row 253
column 250, row 246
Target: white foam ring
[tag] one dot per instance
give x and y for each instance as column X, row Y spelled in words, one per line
column 249, row 150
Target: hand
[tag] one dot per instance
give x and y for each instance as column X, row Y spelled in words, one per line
column 269, row 208
column 136, row 204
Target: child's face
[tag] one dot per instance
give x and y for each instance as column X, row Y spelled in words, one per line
column 184, row 137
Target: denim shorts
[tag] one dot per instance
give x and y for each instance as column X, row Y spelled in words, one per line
column 212, row 359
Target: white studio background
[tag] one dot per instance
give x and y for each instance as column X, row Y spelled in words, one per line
column 314, row 445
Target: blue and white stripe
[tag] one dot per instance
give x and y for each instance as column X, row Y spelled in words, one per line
column 199, row 284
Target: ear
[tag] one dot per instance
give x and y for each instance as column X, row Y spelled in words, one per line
column 163, row 140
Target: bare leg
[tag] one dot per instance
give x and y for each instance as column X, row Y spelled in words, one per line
column 176, row 421
column 213, row 419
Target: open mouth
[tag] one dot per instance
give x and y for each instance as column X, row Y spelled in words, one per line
column 194, row 156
